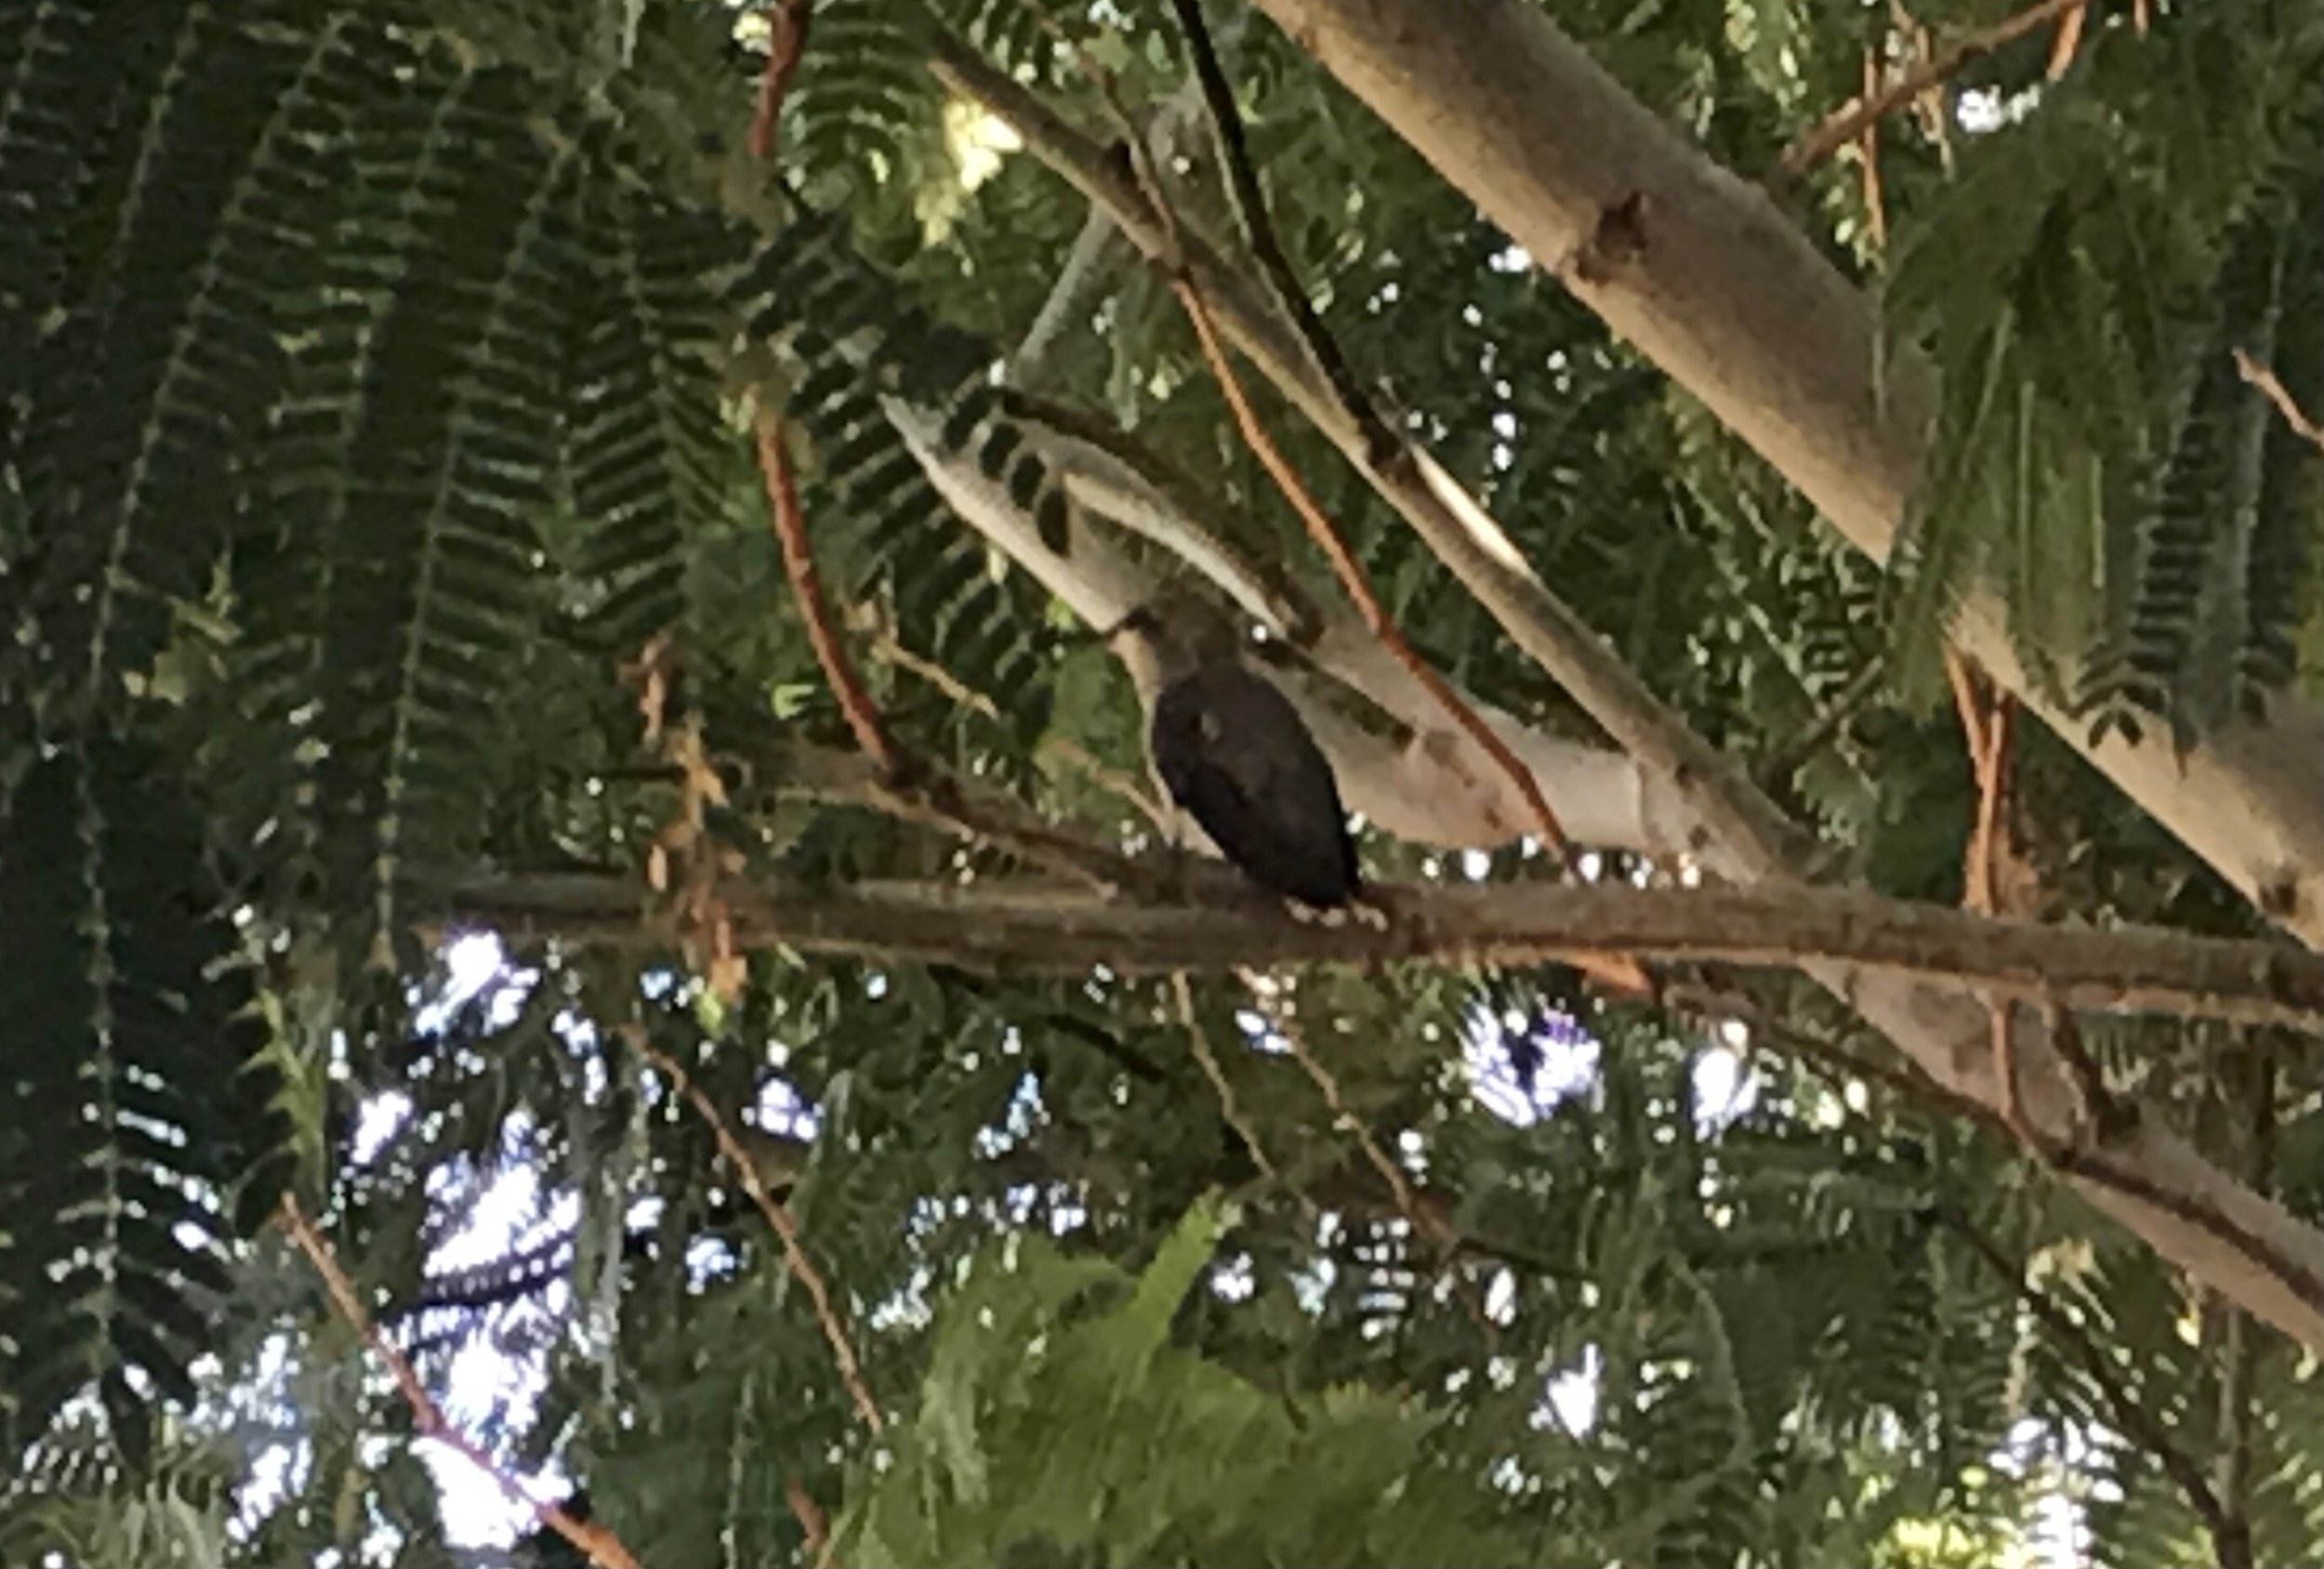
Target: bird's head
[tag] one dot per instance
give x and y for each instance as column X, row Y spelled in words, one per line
column 1177, row 632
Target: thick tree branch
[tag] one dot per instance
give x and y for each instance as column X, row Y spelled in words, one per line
column 1735, row 819
column 1437, row 789
column 1706, row 278
column 1051, row 927
column 1791, row 366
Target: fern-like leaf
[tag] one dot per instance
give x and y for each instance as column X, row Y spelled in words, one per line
column 135, row 1113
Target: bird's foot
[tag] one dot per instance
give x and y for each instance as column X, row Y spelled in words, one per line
column 1173, row 867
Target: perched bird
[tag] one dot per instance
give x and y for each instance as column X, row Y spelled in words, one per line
column 1234, row 753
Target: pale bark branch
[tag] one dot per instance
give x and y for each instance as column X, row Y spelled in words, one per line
column 1706, row 278
column 1794, row 367
column 1100, row 253
column 1439, row 789
column 1715, row 794
column 1053, row 928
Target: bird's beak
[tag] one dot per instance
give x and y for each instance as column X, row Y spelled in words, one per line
column 1136, row 620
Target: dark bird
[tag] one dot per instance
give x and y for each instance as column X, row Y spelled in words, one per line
column 1234, row 753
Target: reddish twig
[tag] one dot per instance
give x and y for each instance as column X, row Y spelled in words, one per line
column 811, row 1523
column 1847, row 123
column 798, row 564
column 1615, row 971
column 593, row 1542
column 787, row 23
column 787, row 42
column 1429, row 1222
column 2067, row 42
column 1382, row 443
column 1868, row 165
column 1229, row 1106
column 1985, row 731
column 2275, row 391
column 779, row 1219
column 1618, row 972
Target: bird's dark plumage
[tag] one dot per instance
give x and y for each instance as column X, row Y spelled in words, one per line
column 1235, row 755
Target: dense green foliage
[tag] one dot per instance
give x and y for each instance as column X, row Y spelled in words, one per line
column 369, row 390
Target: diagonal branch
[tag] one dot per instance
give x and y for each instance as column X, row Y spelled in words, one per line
column 1741, row 823
column 1706, row 277
column 1259, row 232
column 2149, row 1430
column 1501, row 61
column 778, row 1219
column 594, row 1542
column 2273, row 390
column 1859, row 115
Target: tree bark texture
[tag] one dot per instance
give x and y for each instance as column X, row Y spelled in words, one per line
column 1706, row 277
column 1225, row 924
column 2220, row 1228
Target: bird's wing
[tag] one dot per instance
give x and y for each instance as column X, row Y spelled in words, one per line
column 1234, row 752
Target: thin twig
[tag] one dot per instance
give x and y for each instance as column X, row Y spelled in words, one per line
column 1985, row 734
column 2275, row 391
column 779, row 1219
column 1112, row 778
column 2130, row 1415
column 1984, row 725
column 1250, row 205
column 1427, row 1223
column 593, row 1542
column 786, row 26
column 1868, row 166
column 1837, row 714
column 2068, row 41
column 1399, row 1187
column 798, row 564
column 811, row 1523
column 1229, row 1106
column 952, row 686
column 935, row 675
column 1249, row 202
column 788, row 21
column 1847, row 123
column 1829, row 1056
